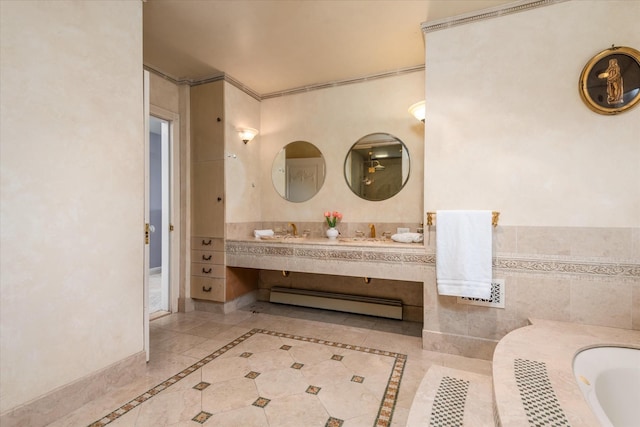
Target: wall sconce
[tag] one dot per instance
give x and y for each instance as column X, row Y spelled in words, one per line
column 247, row 134
column 418, row 110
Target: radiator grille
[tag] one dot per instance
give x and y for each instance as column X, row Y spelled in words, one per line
column 496, row 300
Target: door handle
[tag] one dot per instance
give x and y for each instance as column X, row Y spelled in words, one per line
column 147, row 228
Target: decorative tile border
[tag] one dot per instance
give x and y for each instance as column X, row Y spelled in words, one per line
column 385, row 412
column 342, row 253
column 544, row 265
column 568, row 267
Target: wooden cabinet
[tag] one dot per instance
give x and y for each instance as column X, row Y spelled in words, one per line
column 207, row 121
column 208, row 279
column 207, row 198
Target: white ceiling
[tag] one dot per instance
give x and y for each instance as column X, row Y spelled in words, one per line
column 276, row 45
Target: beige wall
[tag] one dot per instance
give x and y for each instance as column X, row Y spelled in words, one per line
column 71, row 192
column 506, row 127
column 165, row 94
column 333, row 119
column 506, row 130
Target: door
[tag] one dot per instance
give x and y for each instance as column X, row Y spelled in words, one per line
column 161, row 127
column 145, row 263
column 165, row 197
column 159, row 216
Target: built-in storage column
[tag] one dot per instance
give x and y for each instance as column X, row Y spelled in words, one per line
column 207, row 269
column 207, row 192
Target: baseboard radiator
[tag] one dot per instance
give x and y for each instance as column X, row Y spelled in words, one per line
column 371, row 306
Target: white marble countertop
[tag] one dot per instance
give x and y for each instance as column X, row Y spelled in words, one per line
column 554, row 344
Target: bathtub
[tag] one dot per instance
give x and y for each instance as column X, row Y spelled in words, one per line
column 609, row 378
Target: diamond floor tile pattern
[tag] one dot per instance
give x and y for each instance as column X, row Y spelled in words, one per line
column 276, row 373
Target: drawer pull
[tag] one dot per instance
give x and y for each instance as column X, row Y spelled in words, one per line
column 207, row 271
column 206, row 290
column 207, row 258
column 207, row 243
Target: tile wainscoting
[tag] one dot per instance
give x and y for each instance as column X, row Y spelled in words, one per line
column 588, row 276
column 583, row 275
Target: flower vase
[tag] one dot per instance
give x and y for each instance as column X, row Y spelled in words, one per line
column 332, row 233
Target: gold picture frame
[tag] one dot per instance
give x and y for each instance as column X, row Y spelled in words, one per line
column 610, row 81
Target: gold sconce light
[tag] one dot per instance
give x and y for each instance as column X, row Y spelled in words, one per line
column 417, row 110
column 247, row 134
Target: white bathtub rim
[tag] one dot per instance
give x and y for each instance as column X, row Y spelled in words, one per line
column 589, row 390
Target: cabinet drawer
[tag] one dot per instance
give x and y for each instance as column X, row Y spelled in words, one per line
column 207, row 257
column 207, row 244
column 207, row 288
column 207, row 270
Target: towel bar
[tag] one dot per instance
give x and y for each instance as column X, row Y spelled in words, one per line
column 494, row 218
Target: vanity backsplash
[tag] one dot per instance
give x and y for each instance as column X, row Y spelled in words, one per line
column 317, row 229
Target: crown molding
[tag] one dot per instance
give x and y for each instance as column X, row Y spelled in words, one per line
column 345, row 82
column 481, row 15
column 227, row 78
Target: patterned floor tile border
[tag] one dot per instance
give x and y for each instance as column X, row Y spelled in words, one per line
column 385, row 411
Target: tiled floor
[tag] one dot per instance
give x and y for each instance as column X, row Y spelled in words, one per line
column 274, row 365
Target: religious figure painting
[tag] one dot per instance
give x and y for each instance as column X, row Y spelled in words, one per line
column 610, row 82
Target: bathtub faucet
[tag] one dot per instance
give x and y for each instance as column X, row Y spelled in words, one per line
column 372, row 228
column 294, row 229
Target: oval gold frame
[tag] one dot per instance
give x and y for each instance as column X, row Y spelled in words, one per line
column 588, row 90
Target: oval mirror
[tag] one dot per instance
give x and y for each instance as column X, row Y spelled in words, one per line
column 377, row 166
column 298, row 171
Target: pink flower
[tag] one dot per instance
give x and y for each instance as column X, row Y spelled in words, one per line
column 332, row 218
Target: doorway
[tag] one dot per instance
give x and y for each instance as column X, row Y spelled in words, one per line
column 159, row 217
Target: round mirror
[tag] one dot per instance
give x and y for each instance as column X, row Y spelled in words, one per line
column 377, row 166
column 298, row 171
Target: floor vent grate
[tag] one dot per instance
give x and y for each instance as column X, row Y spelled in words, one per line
column 496, row 300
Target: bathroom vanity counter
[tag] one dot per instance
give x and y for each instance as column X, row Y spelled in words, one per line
column 533, row 375
column 382, row 259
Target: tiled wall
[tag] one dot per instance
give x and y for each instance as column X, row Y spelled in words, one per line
column 244, row 230
column 583, row 275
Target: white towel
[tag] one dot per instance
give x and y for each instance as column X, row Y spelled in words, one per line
column 463, row 253
column 263, row 233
